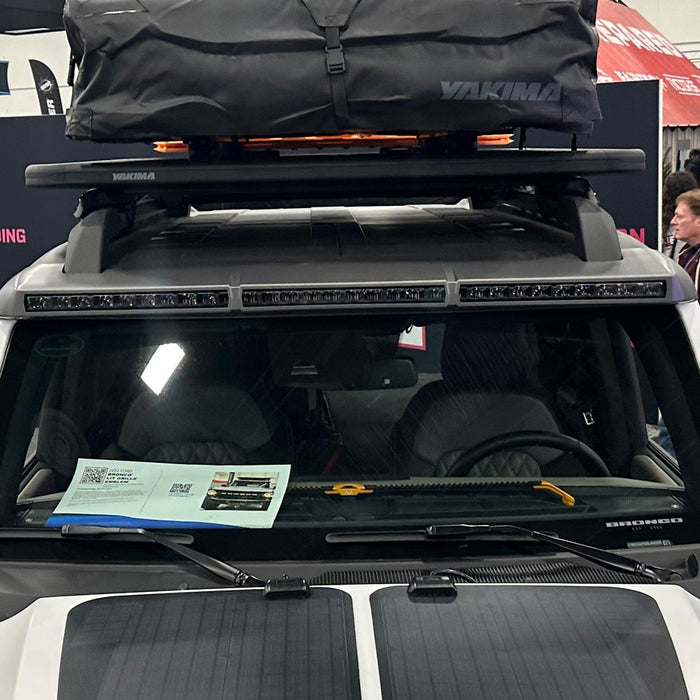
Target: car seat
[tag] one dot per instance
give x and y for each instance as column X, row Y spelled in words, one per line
column 487, row 368
column 201, row 424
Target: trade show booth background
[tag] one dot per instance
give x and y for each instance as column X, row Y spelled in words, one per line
column 34, row 220
column 632, row 48
column 631, row 119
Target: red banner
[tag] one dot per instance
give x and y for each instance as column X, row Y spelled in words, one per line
column 632, row 49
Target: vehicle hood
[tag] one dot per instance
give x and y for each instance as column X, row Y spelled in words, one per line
column 360, row 641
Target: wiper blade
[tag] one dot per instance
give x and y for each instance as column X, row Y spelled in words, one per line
column 38, row 533
column 216, row 566
column 464, row 531
column 604, row 558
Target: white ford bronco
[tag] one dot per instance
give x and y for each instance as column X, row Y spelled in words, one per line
column 393, row 424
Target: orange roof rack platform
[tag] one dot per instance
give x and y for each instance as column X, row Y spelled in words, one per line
column 342, row 141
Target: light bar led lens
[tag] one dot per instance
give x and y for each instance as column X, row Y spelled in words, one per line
column 427, row 294
column 547, row 291
column 108, row 302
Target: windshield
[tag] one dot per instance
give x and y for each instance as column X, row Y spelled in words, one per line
column 350, row 421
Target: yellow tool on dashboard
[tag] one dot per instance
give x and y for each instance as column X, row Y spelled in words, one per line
column 348, row 490
column 566, row 498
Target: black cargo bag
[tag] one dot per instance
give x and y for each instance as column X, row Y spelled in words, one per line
column 159, row 69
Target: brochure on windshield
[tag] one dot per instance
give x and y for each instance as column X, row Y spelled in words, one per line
column 154, row 494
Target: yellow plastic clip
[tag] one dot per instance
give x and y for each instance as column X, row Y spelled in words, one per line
column 348, row 490
column 566, row 498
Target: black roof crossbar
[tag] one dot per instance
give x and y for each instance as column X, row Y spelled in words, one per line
column 397, row 175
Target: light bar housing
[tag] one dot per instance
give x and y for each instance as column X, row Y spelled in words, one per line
column 331, row 296
column 194, row 299
column 553, row 291
column 286, row 297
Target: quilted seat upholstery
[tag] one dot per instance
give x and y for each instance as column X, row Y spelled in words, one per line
column 197, row 453
column 511, row 463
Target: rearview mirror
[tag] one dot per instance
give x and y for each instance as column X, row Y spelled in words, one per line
column 392, row 373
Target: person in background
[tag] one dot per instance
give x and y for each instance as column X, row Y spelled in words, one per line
column 674, row 185
column 692, row 165
column 686, row 225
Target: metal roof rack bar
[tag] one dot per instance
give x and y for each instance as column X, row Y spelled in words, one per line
column 133, row 198
column 396, row 174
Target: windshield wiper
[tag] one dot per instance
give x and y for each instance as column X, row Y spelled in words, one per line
column 216, row 566
column 464, row 531
column 609, row 560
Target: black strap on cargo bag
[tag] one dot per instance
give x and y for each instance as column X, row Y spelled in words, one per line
column 332, row 16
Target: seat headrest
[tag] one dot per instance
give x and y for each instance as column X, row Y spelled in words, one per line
column 488, row 355
column 193, row 413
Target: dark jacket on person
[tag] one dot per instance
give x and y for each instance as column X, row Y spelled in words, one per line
column 689, row 260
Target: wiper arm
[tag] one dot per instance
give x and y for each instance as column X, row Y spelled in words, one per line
column 463, row 531
column 609, row 560
column 216, row 566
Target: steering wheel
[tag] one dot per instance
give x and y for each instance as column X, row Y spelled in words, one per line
column 530, row 438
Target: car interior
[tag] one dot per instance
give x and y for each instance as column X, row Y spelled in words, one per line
column 481, row 395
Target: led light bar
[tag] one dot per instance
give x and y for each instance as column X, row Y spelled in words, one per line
column 316, row 296
column 548, row 291
column 106, row 302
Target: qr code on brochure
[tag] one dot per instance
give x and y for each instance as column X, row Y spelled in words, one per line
column 180, row 489
column 93, row 475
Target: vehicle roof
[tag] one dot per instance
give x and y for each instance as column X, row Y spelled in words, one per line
column 159, row 236
column 437, row 245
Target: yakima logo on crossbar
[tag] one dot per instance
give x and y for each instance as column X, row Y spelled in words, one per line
column 502, row 90
column 134, row 176
column 646, row 521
